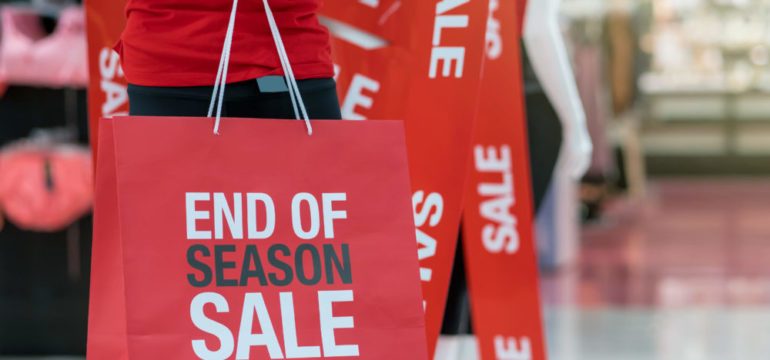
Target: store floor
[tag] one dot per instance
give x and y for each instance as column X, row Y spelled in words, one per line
column 682, row 275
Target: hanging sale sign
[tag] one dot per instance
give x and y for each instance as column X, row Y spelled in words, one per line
column 498, row 217
column 428, row 73
column 521, row 14
column 107, row 95
column 384, row 18
column 371, row 89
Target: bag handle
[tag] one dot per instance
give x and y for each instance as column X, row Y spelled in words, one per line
column 218, row 95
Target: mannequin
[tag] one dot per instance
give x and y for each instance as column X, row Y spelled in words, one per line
column 558, row 225
column 550, row 61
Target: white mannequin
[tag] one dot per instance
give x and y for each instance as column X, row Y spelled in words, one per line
column 548, row 55
column 560, row 227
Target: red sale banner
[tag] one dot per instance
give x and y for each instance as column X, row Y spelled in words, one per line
column 427, row 71
column 521, row 14
column 498, row 216
column 385, row 18
column 207, row 249
column 371, row 89
column 107, row 95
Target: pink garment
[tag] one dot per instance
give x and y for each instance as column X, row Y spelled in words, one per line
column 45, row 188
column 28, row 56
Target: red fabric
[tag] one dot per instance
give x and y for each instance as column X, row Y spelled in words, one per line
column 179, row 42
column 45, row 188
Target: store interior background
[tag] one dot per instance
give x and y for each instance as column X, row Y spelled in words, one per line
column 670, row 257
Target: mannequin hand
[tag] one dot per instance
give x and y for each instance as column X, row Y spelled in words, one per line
column 580, row 152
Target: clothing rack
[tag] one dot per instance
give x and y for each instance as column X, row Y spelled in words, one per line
column 44, row 273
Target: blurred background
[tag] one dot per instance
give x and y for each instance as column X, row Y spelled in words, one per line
column 671, row 261
column 669, row 257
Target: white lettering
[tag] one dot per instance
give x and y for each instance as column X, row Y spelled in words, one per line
column 289, row 323
column 432, row 209
column 194, row 215
column 494, row 37
column 255, row 303
column 251, row 209
column 221, row 332
column 500, row 234
column 255, row 307
column 233, row 217
column 329, row 323
column 355, row 97
column 451, row 56
column 426, row 249
column 507, row 349
column 330, row 214
column 444, row 6
column 115, row 93
column 296, row 214
column 430, row 213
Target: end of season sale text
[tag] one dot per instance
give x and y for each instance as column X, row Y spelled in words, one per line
column 245, row 260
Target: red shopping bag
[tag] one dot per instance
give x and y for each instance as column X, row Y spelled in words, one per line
column 260, row 243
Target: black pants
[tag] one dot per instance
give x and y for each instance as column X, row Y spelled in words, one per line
column 545, row 134
column 243, row 99
column 544, row 130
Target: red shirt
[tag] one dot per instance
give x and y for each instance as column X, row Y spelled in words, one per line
column 179, row 42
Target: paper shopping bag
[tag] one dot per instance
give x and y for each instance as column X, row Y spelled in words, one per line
column 259, row 243
column 107, row 304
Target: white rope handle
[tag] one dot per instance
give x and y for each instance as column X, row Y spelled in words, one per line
column 221, row 80
column 287, row 69
column 218, row 95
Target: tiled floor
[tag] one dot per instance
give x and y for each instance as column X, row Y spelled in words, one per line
column 684, row 275
column 713, row 333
